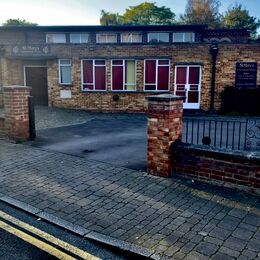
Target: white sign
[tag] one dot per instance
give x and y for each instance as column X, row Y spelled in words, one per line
column 65, row 93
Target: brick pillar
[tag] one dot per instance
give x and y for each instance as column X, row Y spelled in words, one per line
column 17, row 112
column 164, row 128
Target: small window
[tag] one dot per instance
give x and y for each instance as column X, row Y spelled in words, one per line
column 55, row 38
column 65, row 71
column 158, row 37
column 106, row 37
column 93, row 75
column 157, row 75
column 183, row 37
column 79, row 37
column 127, row 37
column 123, row 75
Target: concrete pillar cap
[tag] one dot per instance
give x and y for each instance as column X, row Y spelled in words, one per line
column 164, row 97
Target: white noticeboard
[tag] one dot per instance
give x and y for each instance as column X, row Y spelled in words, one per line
column 65, row 94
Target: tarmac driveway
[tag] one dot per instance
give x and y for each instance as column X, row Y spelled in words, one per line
column 112, row 138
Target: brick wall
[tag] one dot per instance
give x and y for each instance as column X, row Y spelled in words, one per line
column 164, row 128
column 12, row 72
column 226, row 65
column 12, row 38
column 16, row 121
column 179, row 54
column 167, row 156
column 197, row 53
column 239, row 170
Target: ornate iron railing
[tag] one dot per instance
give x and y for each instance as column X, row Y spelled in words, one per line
column 252, row 140
column 235, row 134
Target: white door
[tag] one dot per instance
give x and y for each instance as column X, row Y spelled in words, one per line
column 188, row 83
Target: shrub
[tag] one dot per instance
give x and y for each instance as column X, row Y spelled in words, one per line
column 240, row 101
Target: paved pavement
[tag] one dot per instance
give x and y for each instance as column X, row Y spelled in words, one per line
column 13, row 247
column 174, row 218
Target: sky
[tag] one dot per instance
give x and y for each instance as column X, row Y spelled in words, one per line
column 87, row 12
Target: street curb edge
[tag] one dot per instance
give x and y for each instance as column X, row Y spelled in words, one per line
column 83, row 232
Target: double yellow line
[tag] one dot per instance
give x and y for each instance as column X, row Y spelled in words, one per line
column 78, row 253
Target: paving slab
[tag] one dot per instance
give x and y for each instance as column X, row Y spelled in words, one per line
column 172, row 218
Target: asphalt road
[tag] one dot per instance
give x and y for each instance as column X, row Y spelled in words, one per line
column 13, row 246
column 122, row 140
column 119, row 141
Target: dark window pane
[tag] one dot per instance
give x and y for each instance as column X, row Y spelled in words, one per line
column 150, row 87
column 163, row 62
column 117, row 78
column 193, row 97
column 194, row 73
column 117, row 62
column 100, row 78
column 100, row 62
column 194, row 87
column 87, row 71
column 150, row 66
column 163, row 78
column 181, row 75
column 180, row 87
column 181, row 93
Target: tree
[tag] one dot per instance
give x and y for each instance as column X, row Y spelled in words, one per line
column 148, row 13
column 20, row 22
column 143, row 14
column 238, row 17
column 108, row 18
column 202, row 12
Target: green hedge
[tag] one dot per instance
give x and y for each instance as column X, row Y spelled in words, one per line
column 240, row 101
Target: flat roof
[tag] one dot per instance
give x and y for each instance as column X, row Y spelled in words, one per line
column 80, row 28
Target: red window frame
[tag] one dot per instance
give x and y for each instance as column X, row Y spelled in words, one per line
column 93, row 77
column 160, row 80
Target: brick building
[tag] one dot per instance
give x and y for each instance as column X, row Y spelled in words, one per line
column 113, row 68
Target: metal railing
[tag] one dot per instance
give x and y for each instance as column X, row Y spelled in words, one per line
column 235, row 134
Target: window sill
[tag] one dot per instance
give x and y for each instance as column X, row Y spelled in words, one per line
column 65, row 85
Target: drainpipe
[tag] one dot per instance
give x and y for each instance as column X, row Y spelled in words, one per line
column 214, row 54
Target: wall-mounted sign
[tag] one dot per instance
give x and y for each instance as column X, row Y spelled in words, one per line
column 246, row 74
column 26, row 50
column 65, row 93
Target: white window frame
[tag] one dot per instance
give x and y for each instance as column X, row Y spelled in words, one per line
column 65, row 65
column 106, row 34
column 123, row 65
column 158, row 36
column 46, row 37
column 187, row 105
column 93, row 71
column 131, row 36
column 183, row 37
column 80, row 37
column 156, row 75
